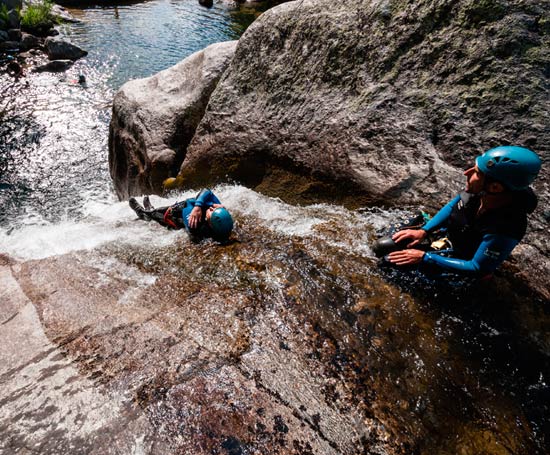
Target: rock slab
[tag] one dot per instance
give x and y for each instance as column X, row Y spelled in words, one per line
column 155, row 118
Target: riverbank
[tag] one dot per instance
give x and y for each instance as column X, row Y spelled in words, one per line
column 27, row 40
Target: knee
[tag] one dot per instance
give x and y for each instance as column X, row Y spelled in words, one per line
column 386, row 245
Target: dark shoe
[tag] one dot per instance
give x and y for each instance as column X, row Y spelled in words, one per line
column 146, row 203
column 140, row 211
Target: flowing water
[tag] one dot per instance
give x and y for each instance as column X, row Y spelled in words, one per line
column 53, row 131
column 118, row 336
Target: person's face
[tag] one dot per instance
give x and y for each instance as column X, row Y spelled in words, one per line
column 209, row 213
column 475, row 180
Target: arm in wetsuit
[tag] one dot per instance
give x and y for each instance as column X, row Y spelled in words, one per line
column 441, row 217
column 492, row 251
column 204, row 200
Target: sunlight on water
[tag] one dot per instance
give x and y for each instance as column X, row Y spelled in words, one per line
column 54, row 131
column 103, row 221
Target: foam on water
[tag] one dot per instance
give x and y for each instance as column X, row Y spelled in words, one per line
column 105, row 220
column 104, row 223
column 270, row 212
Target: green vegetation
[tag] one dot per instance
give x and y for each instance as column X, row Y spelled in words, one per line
column 37, row 16
column 4, row 21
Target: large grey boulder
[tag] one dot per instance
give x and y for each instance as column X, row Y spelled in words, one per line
column 59, row 49
column 380, row 102
column 375, row 100
column 155, row 118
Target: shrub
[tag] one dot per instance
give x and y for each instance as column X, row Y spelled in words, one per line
column 37, row 16
column 4, row 19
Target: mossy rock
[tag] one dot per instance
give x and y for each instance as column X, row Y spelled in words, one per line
column 482, row 11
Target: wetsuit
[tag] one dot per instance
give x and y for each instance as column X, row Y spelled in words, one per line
column 177, row 216
column 480, row 243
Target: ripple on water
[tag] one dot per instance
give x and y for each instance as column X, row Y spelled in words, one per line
column 53, row 133
column 147, row 37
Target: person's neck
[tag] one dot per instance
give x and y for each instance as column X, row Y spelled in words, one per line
column 494, row 201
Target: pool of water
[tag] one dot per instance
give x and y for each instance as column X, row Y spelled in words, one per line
column 53, row 131
column 137, row 40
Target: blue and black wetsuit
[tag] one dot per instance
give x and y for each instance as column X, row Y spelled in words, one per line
column 205, row 199
column 176, row 216
column 480, row 243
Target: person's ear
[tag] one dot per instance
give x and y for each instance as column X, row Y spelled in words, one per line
column 495, row 187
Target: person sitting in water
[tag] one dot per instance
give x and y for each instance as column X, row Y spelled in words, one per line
column 483, row 224
column 202, row 216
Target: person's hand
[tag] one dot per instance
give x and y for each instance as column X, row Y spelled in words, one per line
column 416, row 235
column 406, row 257
column 195, row 217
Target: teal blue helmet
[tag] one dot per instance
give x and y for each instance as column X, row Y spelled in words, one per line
column 514, row 167
column 221, row 223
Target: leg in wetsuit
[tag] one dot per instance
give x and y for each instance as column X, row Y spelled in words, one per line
column 385, row 245
column 147, row 213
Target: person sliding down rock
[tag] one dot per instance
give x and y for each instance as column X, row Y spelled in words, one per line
column 482, row 225
column 202, row 216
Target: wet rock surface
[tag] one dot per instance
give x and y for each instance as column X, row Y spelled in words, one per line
column 59, row 49
column 274, row 344
column 155, row 118
column 368, row 102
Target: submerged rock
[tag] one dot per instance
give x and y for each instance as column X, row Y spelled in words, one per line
column 53, row 66
column 155, row 118
column 58, row 49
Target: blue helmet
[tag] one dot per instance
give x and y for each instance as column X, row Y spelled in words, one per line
column 221, row 223
column 514, row 167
